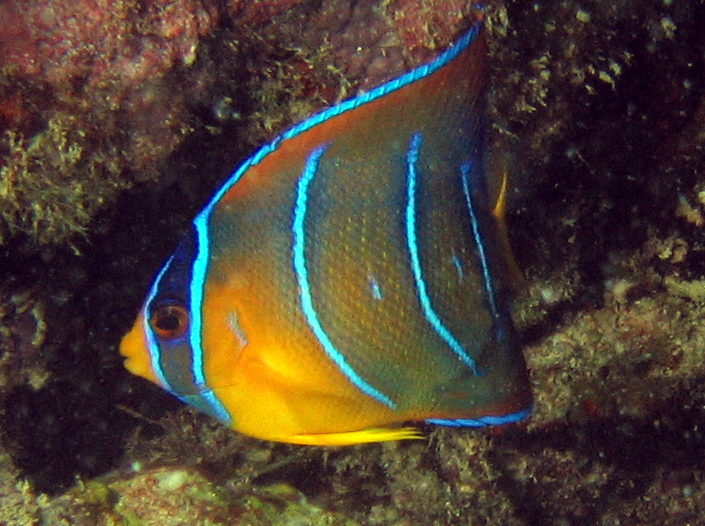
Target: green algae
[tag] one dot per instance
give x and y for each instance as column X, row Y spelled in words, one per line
column 18, row 504
column 164, row 497
column 52, row 184
column 694, row 290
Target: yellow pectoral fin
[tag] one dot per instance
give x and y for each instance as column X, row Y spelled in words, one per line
column 364, row 436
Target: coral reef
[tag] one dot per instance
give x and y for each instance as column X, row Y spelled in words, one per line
column 164, row 497
column 95, row 94
column 599, row 108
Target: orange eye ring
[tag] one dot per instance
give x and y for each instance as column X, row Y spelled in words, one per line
column 169, row 321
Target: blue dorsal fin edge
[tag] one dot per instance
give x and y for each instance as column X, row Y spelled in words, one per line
column 408, row 78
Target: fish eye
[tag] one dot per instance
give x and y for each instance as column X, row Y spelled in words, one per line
column 169, row 321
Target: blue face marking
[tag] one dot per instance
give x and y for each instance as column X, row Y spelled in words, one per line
column 152, row 341
column 178, row 282
column 430, row 314
column 213, row 406
column 298, row 229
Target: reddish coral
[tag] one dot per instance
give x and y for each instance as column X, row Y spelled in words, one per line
column 373, row 42
column 96, row 42
column 85, row 105
column 258, row 12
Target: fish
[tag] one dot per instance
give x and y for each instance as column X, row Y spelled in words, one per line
column 349, row 278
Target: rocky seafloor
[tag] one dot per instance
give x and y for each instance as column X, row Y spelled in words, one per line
column 119, row 119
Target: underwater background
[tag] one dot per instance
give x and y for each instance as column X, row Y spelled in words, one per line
column 118, row 120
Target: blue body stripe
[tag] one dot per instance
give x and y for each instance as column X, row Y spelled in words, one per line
column 198, row 279
column 430, row 314
column 484, row 263
column 299, row 260
column 196, row 286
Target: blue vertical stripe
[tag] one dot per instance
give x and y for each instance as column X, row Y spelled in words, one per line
column 484, row 263
column 198, row 282
column 300, row 268
column 412, row 158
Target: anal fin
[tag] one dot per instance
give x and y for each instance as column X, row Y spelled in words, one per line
column 363, row 436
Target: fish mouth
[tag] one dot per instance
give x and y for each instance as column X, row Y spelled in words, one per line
column 134, row 348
